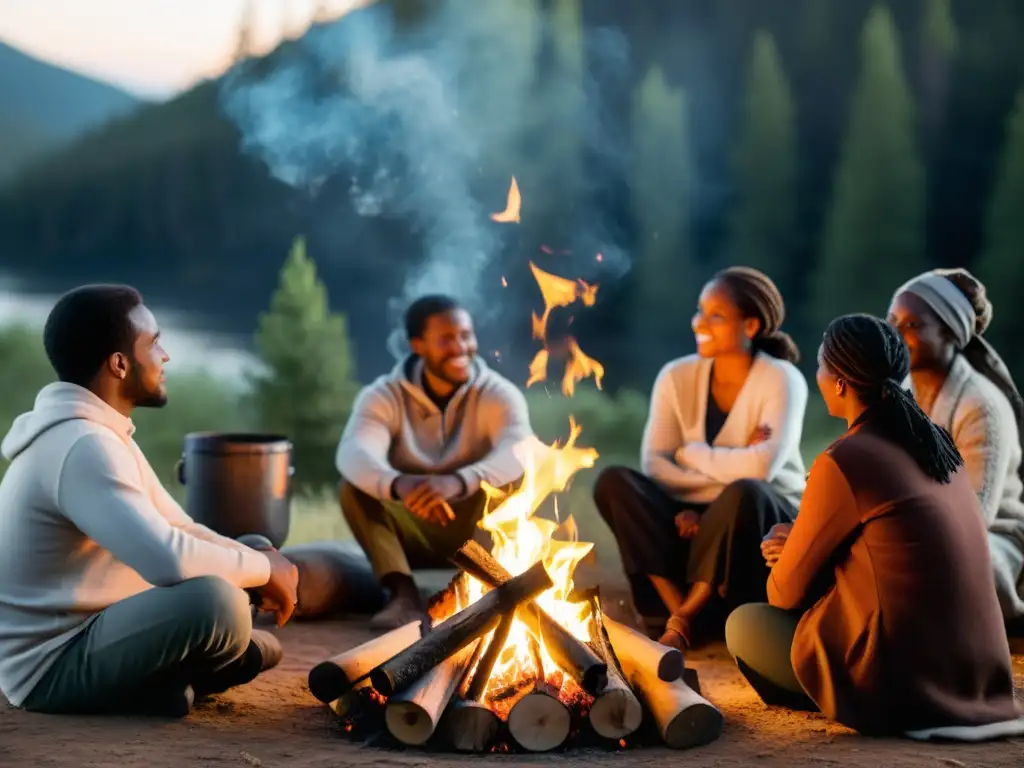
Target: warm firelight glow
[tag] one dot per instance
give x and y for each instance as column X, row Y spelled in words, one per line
column 511, row 213
column 561, row 292
column 521, row 539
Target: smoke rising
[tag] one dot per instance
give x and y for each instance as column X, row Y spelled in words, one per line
column 409, row 117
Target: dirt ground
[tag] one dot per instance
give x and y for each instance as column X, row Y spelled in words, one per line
column 276, row 722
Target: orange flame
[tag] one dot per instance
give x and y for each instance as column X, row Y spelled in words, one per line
column 520, row 538
column 561, row 292
column 511, row 213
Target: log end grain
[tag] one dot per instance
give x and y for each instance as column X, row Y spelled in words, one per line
column 470, row 726
column 616, row 714
column 327, row 681
column 539, row 722
column 671, row 666
column 409, row 722
column 695, row 726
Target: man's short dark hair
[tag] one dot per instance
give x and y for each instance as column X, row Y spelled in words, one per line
column 86, row 326
column 424, row 308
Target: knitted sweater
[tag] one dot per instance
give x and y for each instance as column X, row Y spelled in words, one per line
column 85, row 523
column 981, row 422
column 395, row 428
column 675, row 453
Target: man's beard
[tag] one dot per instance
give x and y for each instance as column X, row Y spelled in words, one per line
column 142, row 397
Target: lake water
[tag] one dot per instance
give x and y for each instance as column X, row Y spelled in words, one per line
column 190, row 347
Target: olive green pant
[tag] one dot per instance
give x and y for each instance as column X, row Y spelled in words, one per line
column 396, row 542
column 136, row 655
column 760, row 639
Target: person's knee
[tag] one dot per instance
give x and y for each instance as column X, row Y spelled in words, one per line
column 219, row 606
column 609, row 486
column 741, row 629
column 741, row 493
column 349, row 499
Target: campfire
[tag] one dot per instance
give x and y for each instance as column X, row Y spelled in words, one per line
column 515, row 657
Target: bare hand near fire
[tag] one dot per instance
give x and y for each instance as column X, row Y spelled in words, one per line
column 426, row 496
column 281, row 592
column 687, row 524
column 773, row 543
column 760, row 435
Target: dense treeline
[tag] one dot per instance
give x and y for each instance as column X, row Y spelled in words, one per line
column 840, row 145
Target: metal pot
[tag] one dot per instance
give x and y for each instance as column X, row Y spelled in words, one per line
column 239, row 483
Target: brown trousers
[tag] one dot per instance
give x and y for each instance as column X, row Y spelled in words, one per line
column 397, row 542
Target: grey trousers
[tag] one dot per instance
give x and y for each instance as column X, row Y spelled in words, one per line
column 760, row 638
column 140, row 653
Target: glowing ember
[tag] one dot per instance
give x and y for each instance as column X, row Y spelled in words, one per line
column 511, row 213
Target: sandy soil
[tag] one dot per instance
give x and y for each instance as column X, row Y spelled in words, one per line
column 276, row 722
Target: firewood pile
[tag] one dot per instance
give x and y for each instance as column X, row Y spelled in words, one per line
column 437, row 686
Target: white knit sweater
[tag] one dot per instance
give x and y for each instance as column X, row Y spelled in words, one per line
column 675, row 451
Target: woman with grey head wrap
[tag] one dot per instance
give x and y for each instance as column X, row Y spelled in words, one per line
column 963, row 385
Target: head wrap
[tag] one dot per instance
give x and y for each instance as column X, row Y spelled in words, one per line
column 957, row 313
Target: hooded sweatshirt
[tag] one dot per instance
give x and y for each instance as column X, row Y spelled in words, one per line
column 396, row 428
column 85, row 523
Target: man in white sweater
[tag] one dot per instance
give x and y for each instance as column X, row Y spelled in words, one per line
column 418, row 445
column 111, row 597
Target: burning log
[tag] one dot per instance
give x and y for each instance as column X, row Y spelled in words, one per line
column 540, row 721
column 403, row 670
column 573, row 656
column 412, row 715
column 637, row 650
column 331, row 679
column 470, row 725
column 616, row 711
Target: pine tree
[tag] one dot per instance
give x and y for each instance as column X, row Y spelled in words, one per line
column 938, row 44
column 874, row 230
column 308, row 387
column 661, row 190
column 765, row 166
column 1001, row 265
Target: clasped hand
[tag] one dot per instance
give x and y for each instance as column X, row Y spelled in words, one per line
column 427, row 496
column 773, row 543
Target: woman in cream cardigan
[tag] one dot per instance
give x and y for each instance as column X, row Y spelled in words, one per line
column 964, row 387
column 720, row 461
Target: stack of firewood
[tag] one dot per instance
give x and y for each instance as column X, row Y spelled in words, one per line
column 431, row 684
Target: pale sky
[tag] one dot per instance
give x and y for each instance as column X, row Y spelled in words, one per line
column 154, row 48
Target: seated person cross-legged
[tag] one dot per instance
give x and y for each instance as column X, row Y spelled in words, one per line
column 964, row 386
column 882, row 606
column 112, row 599
column 721, row 462
column 418, row 445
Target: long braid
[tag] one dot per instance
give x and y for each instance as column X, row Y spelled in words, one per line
column 870, row 356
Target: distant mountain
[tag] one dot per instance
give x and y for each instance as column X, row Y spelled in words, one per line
column 43, row 105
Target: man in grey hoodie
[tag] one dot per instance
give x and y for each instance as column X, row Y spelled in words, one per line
column 417, row 447
column 111, row 597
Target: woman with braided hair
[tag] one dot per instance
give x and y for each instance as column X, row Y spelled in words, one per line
column 963, row 385
column 721, row 462
column 882, row 608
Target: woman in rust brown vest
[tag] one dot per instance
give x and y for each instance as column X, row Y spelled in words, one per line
column 883, row 611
